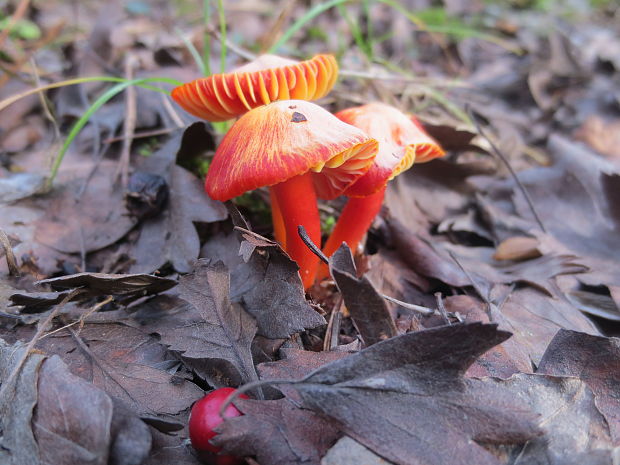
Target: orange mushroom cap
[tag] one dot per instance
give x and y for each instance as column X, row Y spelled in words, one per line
column 273, row 143
column 402, row 141
column 266, row 79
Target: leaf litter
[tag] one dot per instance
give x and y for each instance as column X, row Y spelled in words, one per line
column 154, row 294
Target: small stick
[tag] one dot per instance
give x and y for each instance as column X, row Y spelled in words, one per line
column 231, row 46
column 333, row 327
column 442, row 308
column 172, row 112
column 397, row 78
column 319, row 253
column 501, row 156
column 252, row 385
column 140, row 135
column 311, row 245
column 82, row 317
column 10, row 256
column 129, row 126
column 408, row 306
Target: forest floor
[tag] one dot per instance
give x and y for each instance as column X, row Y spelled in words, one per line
column 126, row 293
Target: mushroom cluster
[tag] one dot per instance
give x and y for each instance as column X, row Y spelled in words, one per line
column 301, row 151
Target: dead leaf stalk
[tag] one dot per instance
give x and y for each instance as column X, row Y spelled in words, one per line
column 504, row 160
column 82, row 318
column 130, row 123
column 10, row 256
column 319, row 253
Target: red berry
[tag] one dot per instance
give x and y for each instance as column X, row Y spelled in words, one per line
column 205, row 416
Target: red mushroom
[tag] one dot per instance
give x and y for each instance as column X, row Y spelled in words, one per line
column 267, row 79
column 280, row 145
column 402, row 140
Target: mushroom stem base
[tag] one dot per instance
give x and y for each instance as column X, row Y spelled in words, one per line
column 296, row 201
column 354, row 221
column 279, row 232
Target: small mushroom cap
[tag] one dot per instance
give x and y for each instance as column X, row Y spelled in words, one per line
column 266, row 79
column 275, row 142
column 402, row 141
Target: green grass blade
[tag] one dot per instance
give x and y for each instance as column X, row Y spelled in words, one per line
column 193, row 52
column 206, row 40
column 356, row 32
column 305, row 19
column 70, row 82
column 77, row 127
column 416, row 20
column 223, row 47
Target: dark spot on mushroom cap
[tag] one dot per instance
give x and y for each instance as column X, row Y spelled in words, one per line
column 298, row 118
column 292, row 107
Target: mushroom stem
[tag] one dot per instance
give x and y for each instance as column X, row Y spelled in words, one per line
column 296, row 200
column 278, row 222
column 354, row 221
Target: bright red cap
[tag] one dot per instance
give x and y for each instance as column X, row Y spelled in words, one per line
column 267, row 79
column 402, row 140
column 276, row 142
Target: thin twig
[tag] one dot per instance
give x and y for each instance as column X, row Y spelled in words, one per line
column 253, row 385
column 470, row 277
column 311, row 245
column 129, row 126
column 44, row 102
column 89, row 353
column 243, row 53
column 501, row 156
column 333, row 326
column 82, row 317
column 319, row 253
column 10, row 256
column 408, row 306
column 172, row 112
column 477, row 288
column 140, row 135
column 442, row 308
column 400, row 78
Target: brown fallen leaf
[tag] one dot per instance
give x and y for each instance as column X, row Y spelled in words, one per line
column 212, row 336
column 423, row 258
column 501, row 361
column 130, row 366
column 277, row 432
column 427, row 193
column 603, row 136
column 296, row 363
column 76, row 221
column 91, row 285
column 406, row 400
column 348, row 451
column 50, row 406
column 172, row 233
column 367, row 307
column 532, row 316
column 575, row 432
column 168, row 449
column 578, row 198
column 96, row 284
column 593, row 359
column 266, row 282
column 18, row 445
column 517, row 248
